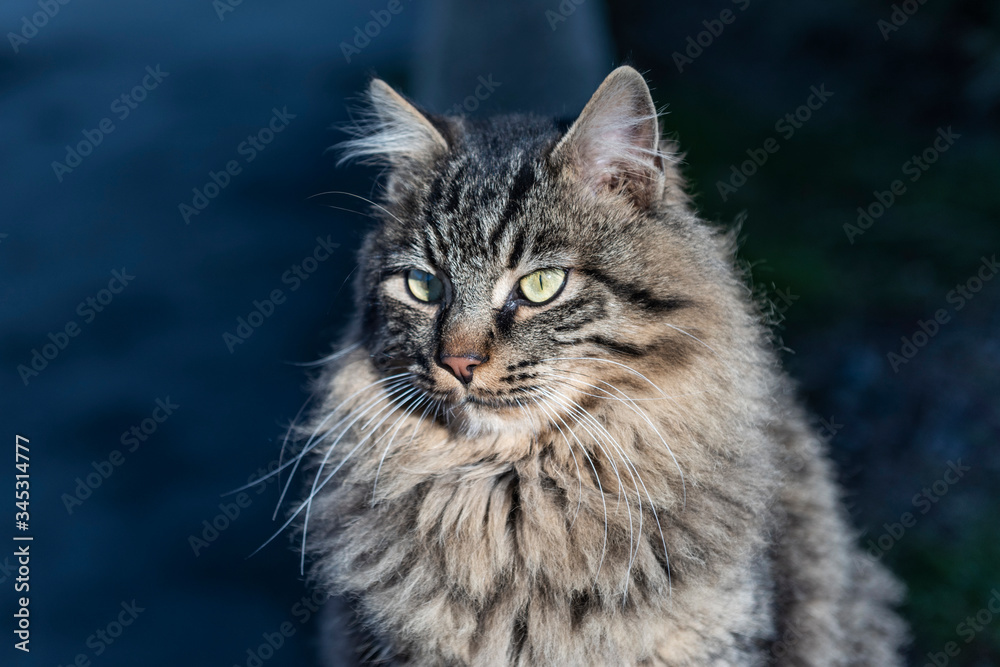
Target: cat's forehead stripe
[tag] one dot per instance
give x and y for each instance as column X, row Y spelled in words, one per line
column 522, row 183
column 517, row 251
column 471, row 208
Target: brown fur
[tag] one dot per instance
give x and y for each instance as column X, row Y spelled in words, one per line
column 635, row 486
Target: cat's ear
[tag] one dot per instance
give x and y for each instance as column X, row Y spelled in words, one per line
column 613, row 147
column 391, row 131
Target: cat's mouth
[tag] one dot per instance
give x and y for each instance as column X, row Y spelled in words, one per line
column 478, row 414
column 496, row 403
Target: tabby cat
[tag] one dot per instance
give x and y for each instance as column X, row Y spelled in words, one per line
column 557, row 432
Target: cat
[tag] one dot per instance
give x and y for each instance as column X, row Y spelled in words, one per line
column 558, row 432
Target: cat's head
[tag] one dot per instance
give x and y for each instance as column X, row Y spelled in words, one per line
column 519, row 269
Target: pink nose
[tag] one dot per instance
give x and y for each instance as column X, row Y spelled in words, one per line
column 461, row 367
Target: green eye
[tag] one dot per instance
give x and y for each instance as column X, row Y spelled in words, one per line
column 424, row 286
column 542, row 285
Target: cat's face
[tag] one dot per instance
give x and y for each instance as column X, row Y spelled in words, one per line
column 518, row 267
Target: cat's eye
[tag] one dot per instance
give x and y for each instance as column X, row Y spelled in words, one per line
column 424, row 286
column 542, row 285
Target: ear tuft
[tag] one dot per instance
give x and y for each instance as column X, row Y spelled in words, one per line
column 390, row 131
column 614, row 146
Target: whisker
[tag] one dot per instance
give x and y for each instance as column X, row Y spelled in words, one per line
column 330, row 357
column 600, row 487
column 665, row 397
column 303, row 505
column 622, row 493
column 365, row 199
column 349, row 210
column 305, row 449
column 614, row 466
column 633, row 532
column 432, row 402
column 395, row 430
column 579, row 477
column 730, row 368
column 637, row 410
column 652, row 505
column 394, row 402
column 284, row 443
column 311, row 443
column 608, row 361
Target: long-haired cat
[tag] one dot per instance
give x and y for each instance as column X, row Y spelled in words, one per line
column 558, row 433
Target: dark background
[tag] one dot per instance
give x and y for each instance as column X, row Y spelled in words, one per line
column 845, row 305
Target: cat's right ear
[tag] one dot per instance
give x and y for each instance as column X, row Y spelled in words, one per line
column 614, row 146
column 391, row 132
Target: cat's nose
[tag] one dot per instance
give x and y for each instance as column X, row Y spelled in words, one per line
column 462, row 366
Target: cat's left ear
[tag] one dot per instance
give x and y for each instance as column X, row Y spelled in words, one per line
column 614, row 146
column 391, row 131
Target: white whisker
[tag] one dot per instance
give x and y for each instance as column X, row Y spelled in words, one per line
column 330, row 357
column 652, row 505
column 395, row 428
column 307, row 447
column 364, row 199
column 284, row 444
column 634, row 533
column 397, row 381
column 628, row 402
column 370, row 404
column 614, row 468
column 608, row 396
column 394, row 401
column 579, row 477
column 730, row 368
column 608, row 361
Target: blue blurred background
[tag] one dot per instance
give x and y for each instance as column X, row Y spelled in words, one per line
column 115, row 299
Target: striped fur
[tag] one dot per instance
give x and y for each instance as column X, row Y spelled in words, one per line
column 627, row 480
